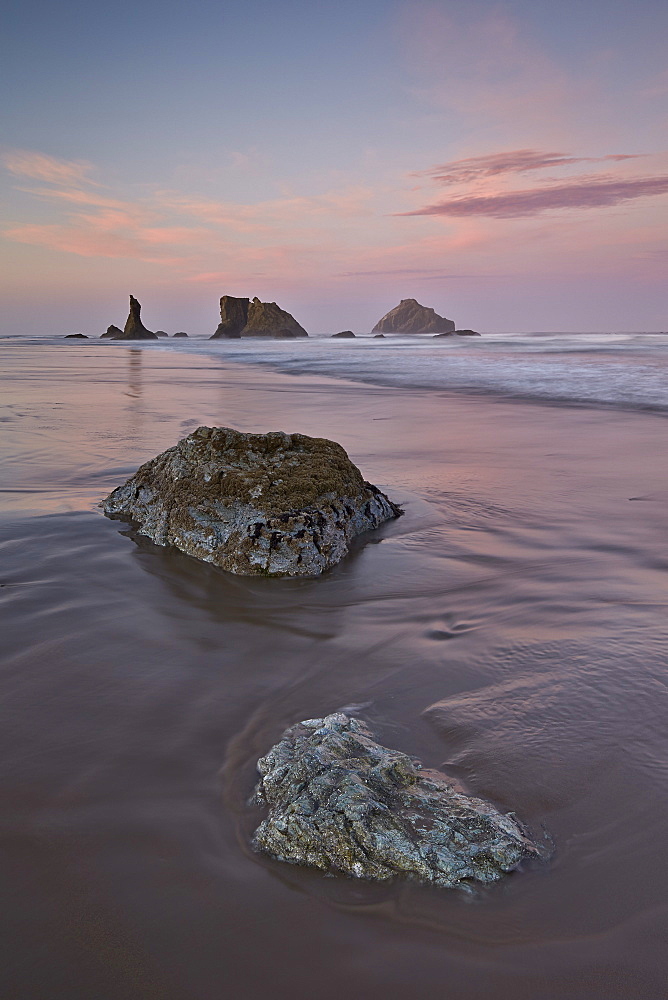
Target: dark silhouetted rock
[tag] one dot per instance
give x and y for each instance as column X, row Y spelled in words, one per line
column 346, row 334
column 266, row 319
column 161, row 333
column 410, row 317
column 181, row 333
column 467, row 333
column 379, row 336
column 113, row 332
column 134, row 328
column 233, row 318
column 75, row 336
column 255, row 504
column 437, row 336
column 341, row 802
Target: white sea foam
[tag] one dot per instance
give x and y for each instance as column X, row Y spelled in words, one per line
column 628, row 370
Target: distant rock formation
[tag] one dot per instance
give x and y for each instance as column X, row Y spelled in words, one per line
column 181, row 333
column 161, row 333
column 437, row 336
column 113, row 332
column 134, row 328
column 233, row 318
column 255, row 504
column 243, row 318
column 467, row 333
column 76, row 336
column 410, row 317
column 379, row 336
column 266, row 319
column 344, row 333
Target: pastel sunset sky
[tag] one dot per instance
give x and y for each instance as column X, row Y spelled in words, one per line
column 505, row 163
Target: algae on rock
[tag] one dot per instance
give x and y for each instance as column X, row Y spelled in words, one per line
column 255, row 504
column 341, row 802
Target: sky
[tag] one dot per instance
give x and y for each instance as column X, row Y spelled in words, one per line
column 505, row 163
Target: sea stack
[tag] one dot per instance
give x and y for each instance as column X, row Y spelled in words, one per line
column 341, row 802
column 233, row 318
column 411, row 317
column 254, row 504
column 243, row 318
column 134, row 328
column 113, row 332
column 266, row 319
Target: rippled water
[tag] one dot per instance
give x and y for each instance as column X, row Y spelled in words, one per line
column 511, row 628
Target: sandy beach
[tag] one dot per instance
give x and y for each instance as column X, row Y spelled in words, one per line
column 509, row 629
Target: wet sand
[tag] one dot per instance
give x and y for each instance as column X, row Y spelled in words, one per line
column 511, row 629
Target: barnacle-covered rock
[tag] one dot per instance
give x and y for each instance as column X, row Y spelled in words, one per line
column 340, row 802
column 255, row 504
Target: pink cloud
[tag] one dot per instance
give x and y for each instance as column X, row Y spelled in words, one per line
column 532, row 201
column 510, row 162
column 39, row 166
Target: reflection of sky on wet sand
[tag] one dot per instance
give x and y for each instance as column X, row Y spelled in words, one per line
column 511, row 627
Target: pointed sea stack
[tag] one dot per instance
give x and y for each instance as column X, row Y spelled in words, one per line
column 410, row 317
column 233, row 318
column 134, row 328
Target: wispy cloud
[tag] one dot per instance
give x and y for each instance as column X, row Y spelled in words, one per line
column 40, row 167
column 514, row 161
column 579, row 194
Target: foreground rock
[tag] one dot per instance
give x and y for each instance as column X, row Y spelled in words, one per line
column 255, row 504
column 410, row 317
column 113, row 332
column 340, row 802
column 243, row 318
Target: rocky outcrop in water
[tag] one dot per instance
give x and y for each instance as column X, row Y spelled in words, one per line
column 341, row 802
column 161, row 333
column 233, row 318
column 134, row 328
column 410, row 317
column 181, row 333
column 345, row 334
column 266, row 319
column 113, row 332
column 467, row 333
column 75, row 336
column 243, row 318
column 255, row 504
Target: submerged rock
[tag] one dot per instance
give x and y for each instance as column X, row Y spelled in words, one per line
column 379, row 336
column 410, row 317
column 113, row 332
column 134, row 328
column 340, row 802
column 344, row 333
column 233, row 318
column 266, row 319
column 467, row 333
column 255, row 504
